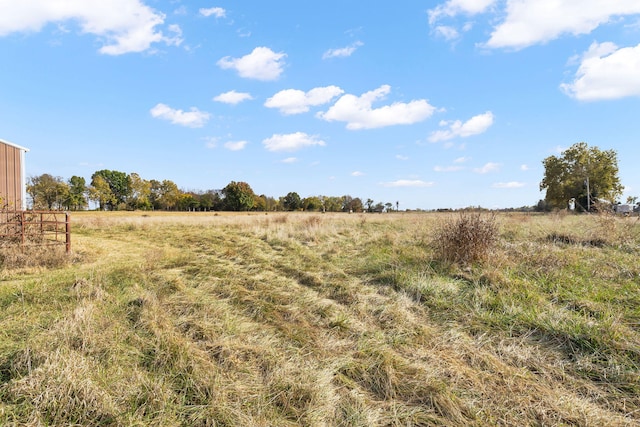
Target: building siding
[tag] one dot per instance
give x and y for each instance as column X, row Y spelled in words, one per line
column 12, row 185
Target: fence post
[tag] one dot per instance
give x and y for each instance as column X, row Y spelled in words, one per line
column 67, row 221
column 22, row 231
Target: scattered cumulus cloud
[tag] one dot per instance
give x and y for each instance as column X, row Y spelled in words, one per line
column 524, row 168
column 235, row 145
column 193, row 118
column 456, row 7
column 293, row 101
column 447, row 32
column 358, row 111
column 529, row 22
column 511, row 184
column 401, row 157
column 233, row 97
column 474, row 126
column 415, row 183
column 357, row 173
column 261, row 64
column 289, row 160
column 218, row 12
column 606, row 72
column 488, row 167
column 342, row 52
column 122, row 26
column 462, row 159
column 518, row 24
column 291, row 142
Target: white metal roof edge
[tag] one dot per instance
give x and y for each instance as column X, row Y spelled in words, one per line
column 13, row 145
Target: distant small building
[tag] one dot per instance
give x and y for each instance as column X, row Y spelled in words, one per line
column 13, row 178
column 623, row 209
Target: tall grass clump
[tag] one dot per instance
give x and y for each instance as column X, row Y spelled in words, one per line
column 466, row 239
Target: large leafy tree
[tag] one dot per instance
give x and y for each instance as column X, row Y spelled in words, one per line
column 77, row 193
column 101, row 193
column 586, row 174
column 292, row 201
column 119, row 183
column 47, row 191
column 238, row 196
column 140, row 192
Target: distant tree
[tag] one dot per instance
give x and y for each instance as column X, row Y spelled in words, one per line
column 101, row 193
column 169, row 195
column 260, row 203
column 369, row 205
column 632, row 200
column 332, row 204
column 388, row 206
column 210, row 200
column 77, row 199
column 120, row 185
column 541, row 206
column 292, row 201
column 356, row 205
column 271, row 203
column 140, row 193
column 238, row 196
column 378, row 208
column 312, row 203
column 583, row 173
column 47, row 191
column 188, row 201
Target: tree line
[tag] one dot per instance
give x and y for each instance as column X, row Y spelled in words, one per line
column 114, row 190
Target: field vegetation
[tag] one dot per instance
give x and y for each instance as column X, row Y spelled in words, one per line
column 287, row 319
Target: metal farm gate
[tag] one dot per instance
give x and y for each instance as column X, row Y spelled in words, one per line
column 35, row 228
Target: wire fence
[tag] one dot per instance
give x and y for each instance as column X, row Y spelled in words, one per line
column 35, row 228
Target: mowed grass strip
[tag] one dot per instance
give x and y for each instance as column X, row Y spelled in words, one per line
column 310, row 319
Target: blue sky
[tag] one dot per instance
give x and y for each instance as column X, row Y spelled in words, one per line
column 428, row 103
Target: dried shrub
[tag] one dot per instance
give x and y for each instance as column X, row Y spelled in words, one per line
column 467, row 238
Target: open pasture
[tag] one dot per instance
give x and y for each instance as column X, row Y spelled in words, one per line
column 286, row 319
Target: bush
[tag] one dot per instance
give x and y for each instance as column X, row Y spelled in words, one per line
column 466, row 239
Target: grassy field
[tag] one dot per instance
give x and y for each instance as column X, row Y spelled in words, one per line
column 323, row 320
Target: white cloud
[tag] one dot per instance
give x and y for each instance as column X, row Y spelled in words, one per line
column 193, row 119
column 123, row 26
column 511, row 184
column 462, row 160
column 448, row 168
column 524, row 168
column 342, row 52
column 235, row 145
column 293, row 101
column 291, row 142
column 408, row 183
column 289, row 160
column 357, row 173
column 474, row 126
column 530, row 22
column 606, row 72
column 211, row 141
column 261, row 64
column 233, row 97
column 218, row 12
column 446, row 31
column 401, row 157
column 454, row 7
column 489, row 167
column 359, row 113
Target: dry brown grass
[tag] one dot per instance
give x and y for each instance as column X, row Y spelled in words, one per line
column 321, row 320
